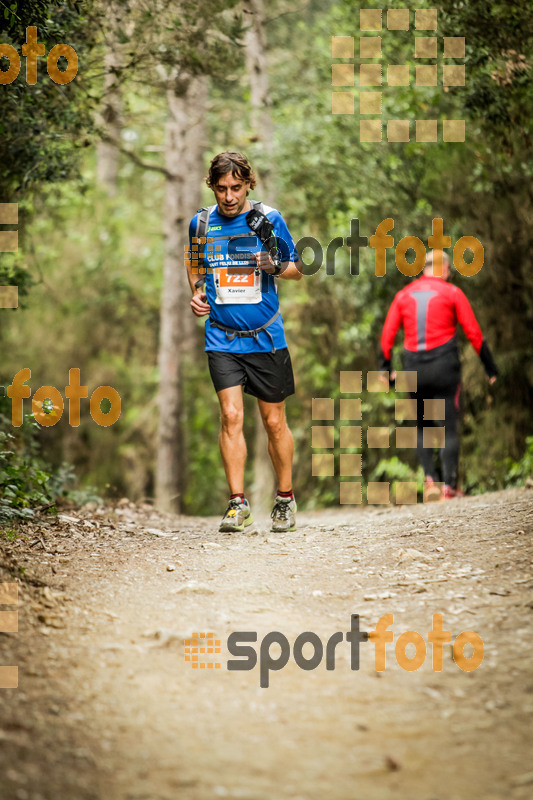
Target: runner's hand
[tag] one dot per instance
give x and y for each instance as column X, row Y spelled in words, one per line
column 199, row 306
column 387, row 380
column 492, row 380
column 264, row 262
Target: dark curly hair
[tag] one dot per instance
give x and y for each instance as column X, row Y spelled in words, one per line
column 235, row 163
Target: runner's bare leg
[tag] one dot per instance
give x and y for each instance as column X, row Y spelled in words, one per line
column 231, row 439
column 280, row 441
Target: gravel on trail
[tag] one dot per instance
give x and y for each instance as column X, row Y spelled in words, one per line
column 107, row 707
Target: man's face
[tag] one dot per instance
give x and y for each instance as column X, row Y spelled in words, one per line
column 230, row 194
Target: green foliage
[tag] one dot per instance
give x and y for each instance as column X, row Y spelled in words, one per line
column 392, row 469
column 42, row 125
column 13, row 274
column 27, row 479
column 519, row 471
column 24, row 480
column 397, row 470
column 99, row 294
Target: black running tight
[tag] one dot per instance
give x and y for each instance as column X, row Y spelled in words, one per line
column 439, row 378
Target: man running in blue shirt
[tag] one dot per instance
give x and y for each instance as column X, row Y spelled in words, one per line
column 244, row 336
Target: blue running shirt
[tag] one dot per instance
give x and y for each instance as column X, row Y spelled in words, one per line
column 256, row 296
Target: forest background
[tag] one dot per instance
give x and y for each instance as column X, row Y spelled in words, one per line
column 108, row 170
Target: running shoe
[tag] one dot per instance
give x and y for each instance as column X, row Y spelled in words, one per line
column 283, row 515
column 450, row 494
column 433, row 491
column 237, row 516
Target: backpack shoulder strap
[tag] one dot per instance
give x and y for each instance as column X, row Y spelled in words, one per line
column 202, row 224
column 257, row 205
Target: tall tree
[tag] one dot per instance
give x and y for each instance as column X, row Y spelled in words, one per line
column 262, row 132
column 184, row 161
column 119, row 26
column 203, row 42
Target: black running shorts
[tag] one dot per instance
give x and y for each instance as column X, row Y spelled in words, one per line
column 267, row 376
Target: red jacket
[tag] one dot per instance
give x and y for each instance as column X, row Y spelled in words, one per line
column 429, row 310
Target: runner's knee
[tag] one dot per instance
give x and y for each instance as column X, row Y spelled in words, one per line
column 231, row 419
column 274, row 425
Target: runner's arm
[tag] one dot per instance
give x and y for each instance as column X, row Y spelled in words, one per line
column 290, row 270
column 199, row 306
column 470, row 325
column 390, row 329
column 194, row 273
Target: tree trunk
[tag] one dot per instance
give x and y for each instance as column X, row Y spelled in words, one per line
column 109, row 117
column 264, row 479
column 184, row 147
column 257, row 69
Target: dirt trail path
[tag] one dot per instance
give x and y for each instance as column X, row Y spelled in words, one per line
column 108, row 708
